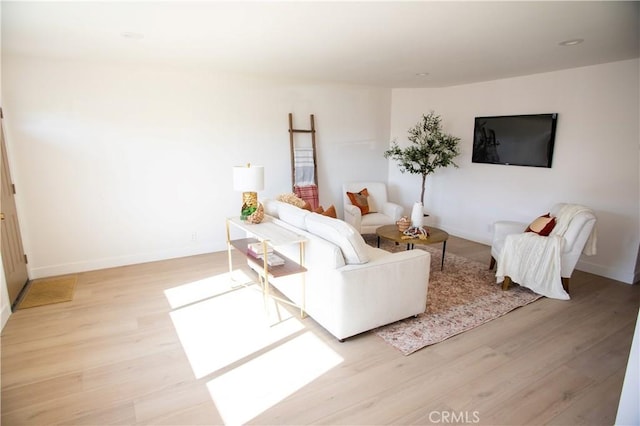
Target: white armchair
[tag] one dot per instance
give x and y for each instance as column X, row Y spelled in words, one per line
column 382, row 212
column 578, row 237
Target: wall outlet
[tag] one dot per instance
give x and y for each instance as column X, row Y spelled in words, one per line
column 194, row 236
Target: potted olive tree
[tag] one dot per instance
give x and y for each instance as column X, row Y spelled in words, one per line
column 429, row 149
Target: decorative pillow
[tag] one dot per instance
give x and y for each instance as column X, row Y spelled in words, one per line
column 542, row 225
column 330, row 211
column 359, row 199
column 373, row 206
column 291, row 198
column 340, row 233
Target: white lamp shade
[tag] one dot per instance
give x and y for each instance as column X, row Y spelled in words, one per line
column 248, row 178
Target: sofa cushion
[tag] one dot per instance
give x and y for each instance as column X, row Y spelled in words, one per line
column 293, row 215
column 319, row 254
column 340, row 233
column 272, row 207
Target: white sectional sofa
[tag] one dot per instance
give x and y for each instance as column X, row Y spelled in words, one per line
column 350, row 287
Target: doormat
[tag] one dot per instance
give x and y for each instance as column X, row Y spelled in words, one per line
column 460, row 298
column 47, row 291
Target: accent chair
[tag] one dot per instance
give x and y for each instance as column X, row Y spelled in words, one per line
column 367, row 208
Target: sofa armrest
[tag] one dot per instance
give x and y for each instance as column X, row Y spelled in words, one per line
column 392, row 210
column 353, row 216
column 400, row 259
column 386, row 289
column 356, row 298
column 578, row 232
column 503, row 228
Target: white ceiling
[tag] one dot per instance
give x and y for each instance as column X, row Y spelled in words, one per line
column 373, row 43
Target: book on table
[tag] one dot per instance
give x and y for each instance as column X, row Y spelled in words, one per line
column 272, row 259
column 256, row 249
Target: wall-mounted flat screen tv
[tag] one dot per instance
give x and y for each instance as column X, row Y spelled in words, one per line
column 519, row 140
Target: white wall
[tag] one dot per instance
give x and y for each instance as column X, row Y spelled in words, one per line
column 595, row 158
column 118, row 164
column 628, row 407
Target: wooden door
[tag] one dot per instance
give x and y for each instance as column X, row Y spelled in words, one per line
column 14, row 261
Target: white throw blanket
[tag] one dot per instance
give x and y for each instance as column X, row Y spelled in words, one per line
column 304, row 166
column 533, row 261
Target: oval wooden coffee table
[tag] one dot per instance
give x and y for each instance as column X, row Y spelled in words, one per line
column 390, row 232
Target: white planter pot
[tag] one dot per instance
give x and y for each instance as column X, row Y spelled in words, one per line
column 417, row 215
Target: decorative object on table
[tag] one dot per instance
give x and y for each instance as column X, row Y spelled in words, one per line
column 403, row 223
column 416, row 232
column 257, row 215
column 248, row 179
column 417, row 215
column 429, row 150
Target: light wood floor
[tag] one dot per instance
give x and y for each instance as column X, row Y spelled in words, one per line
column 120, row 353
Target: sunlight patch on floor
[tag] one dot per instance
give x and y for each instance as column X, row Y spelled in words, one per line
column 197, row 291
column 253, row 387
column 251, row 351
column 228, row 325
column 218, row 332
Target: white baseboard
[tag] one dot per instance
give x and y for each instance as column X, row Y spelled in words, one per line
column 92, row 265
column 583, row 265
column 4, row 315
column 461, row 233
column 604, row 271
column 113, row 262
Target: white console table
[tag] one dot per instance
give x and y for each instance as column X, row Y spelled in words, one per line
column 271, row 235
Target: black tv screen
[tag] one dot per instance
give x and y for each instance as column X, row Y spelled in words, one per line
column 520, row 140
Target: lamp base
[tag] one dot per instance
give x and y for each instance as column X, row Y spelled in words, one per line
column 249, row 204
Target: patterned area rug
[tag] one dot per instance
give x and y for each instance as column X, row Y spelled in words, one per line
column 461, row 297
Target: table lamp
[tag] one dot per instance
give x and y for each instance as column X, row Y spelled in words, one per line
column 248, row 179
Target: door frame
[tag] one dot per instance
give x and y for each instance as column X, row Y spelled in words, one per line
column 14, row 260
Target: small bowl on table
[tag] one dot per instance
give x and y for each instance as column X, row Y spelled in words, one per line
column 403, row 225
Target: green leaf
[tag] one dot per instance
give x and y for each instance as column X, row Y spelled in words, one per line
column 430, row 148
